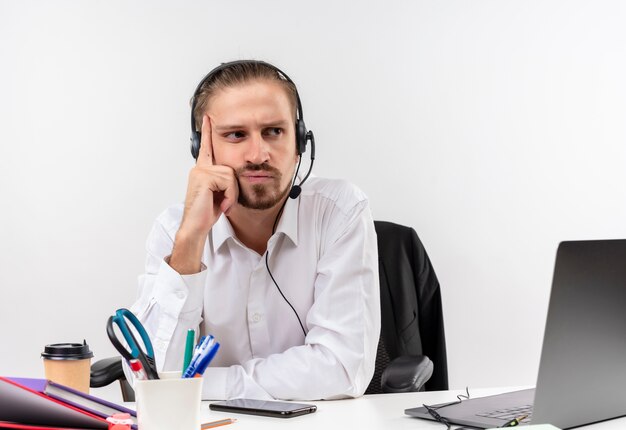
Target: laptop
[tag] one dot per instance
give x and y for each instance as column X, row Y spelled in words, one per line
column 582, row 371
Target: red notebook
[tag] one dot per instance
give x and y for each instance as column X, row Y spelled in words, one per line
column 83, row 401
column 6, row 425
column 24, row 408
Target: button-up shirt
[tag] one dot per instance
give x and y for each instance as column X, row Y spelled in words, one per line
column 323, row 257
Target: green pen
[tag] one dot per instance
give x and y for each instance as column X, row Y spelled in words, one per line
column 191, row 337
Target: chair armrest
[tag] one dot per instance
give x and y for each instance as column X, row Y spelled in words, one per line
column 407, row 373
column 106, row 371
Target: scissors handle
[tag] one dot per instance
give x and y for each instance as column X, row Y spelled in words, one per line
column 135, row 352
column 119, row 318
column 116, row 342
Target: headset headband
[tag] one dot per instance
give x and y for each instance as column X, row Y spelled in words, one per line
column 211, row 75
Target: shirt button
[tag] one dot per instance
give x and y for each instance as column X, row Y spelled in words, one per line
column 180, row 295
column 256, row 317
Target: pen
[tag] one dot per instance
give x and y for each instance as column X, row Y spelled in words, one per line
column 196, row 354
column 205, row 358
column 138, row 370
column 204, row 353
column 204, row 340
column 191, row 334
column 217, row 423
column 514, row 422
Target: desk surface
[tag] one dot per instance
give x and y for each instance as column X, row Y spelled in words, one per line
column 379, row 411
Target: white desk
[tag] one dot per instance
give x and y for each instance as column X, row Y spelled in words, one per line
column 379, row 411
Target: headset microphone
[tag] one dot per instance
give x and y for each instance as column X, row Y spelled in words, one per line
column 297, row 189
column 295, row 192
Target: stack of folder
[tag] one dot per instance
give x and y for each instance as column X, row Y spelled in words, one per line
column 40, row 404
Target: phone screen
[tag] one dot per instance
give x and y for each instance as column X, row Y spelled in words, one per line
column 269, row 408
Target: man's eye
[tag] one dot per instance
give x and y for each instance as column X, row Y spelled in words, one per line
column 235, row 135
column 274, row 131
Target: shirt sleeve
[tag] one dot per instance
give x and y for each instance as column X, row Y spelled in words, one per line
column 337, row 358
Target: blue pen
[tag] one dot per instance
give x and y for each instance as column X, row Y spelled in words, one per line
column 205, row 359
column 204, row 340
column 204, row 344
column 204, row 353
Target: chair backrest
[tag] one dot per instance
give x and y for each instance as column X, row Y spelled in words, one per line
column 411, row 309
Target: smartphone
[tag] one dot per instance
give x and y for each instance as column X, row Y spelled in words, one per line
column 263, row 407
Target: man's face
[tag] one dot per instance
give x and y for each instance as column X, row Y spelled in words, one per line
column 253, row 132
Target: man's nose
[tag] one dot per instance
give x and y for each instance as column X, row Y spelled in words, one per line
column 258, row 150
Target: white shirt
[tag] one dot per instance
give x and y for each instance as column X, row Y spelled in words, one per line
column 324, row 258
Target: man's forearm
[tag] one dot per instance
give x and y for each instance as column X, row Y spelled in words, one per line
column 187, row 254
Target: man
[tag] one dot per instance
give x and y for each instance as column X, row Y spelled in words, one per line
column 288, row 286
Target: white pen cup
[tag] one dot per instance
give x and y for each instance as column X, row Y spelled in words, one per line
column 169, row 403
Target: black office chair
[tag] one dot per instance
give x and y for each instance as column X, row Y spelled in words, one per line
column 412, row 349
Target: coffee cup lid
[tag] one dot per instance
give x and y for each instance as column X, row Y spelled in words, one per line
column 67, row 351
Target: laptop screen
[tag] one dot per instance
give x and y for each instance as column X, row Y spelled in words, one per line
column 582, row 372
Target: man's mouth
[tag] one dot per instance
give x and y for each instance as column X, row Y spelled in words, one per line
column 256, row 177
column 258, row 174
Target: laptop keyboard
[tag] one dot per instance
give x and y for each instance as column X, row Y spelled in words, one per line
column 510, row 413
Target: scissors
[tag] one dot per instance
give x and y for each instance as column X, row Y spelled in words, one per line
column 134, row 351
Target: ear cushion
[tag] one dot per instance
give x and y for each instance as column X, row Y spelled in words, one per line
column 300, row 137
column 195, row 144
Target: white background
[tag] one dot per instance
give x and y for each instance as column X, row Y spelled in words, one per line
column 495, row 128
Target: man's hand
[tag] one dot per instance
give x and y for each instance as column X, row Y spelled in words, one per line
column 211, row 190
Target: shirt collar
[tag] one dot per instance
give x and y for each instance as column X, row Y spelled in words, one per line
column 288, row 225
column 221, row 232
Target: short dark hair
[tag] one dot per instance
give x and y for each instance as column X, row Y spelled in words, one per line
column 239, row 73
